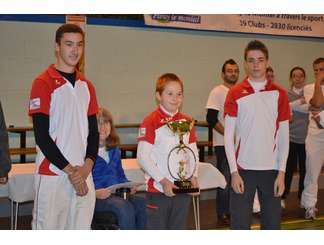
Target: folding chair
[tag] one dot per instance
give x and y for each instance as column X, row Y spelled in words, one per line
column 21, row 189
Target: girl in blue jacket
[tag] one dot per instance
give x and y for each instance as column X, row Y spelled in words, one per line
column 107, row 171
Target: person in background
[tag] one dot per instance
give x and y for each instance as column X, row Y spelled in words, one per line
column 215, row 119
column 314, row 96
column 297, row 131
column 270, row 74
column 5, row 161
column 166, row 210
column 108, row 171
column 63, row 106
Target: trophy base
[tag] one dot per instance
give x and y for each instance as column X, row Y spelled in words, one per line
column 184, row 187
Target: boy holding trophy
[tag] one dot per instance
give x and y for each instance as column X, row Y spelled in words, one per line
column 168, row 154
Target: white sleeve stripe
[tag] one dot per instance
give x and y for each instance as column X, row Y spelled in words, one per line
column 229, row 142
column 283, row 144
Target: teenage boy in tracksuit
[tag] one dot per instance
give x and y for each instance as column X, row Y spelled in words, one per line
column 257, row 114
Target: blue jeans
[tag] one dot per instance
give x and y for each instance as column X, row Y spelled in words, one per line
column 223, row 195
column 131, row 213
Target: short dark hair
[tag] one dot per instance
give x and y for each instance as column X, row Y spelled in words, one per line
column 256, row 45
column 269, row 68
column 67, row 28
column 318, row 60
column 230, row 61
column 297, row 68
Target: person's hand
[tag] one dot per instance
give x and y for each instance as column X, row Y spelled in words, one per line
column 167, row 186
column 319, row 77
column 279, row 184
column 75, row 176
column 133, row 190
column 194, row 184
column 302, row 100
column 3, row 180
column 81, row 189
column 103, row 193
column 316, row 116
column 86, row 168
column 237, row 183
column 78, row 182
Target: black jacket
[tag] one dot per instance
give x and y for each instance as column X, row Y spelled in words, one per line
column 5, row 162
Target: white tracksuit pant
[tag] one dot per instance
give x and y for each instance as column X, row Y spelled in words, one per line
column 57, row 207
column 314, row 163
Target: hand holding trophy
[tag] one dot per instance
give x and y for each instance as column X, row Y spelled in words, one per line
column 182, row 161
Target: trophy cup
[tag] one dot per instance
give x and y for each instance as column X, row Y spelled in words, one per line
column 181, row 159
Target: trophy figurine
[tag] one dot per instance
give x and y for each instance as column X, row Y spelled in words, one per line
column 181, row 159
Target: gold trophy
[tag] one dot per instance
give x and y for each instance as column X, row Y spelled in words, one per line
column 181, row 159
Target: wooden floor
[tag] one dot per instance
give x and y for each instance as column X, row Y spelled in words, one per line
column 293, row 214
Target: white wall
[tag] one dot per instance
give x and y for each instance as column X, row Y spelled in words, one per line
column 123, row 64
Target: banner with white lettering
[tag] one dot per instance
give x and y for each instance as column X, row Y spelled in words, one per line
column 276, row 24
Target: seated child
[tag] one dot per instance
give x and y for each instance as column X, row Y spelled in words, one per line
column 107, row 171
